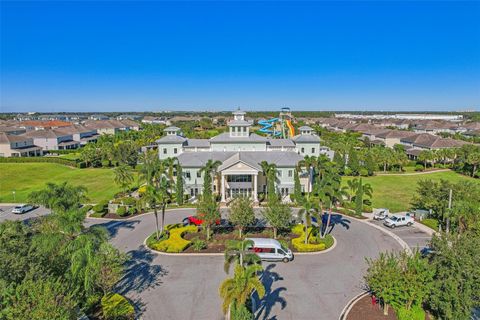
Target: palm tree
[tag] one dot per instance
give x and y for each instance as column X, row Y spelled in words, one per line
column 123, row 176
column 151, row 167
column 474, row 160
column 352, row 186
column 424, row 156
column 170, row 165
column 308, row 210
column 237, row 251
column 155, row 195
column 308, row 163
column 209, row 170
column 235, row 291
column 269, row 171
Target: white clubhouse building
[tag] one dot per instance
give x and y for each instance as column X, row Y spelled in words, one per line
column 240, row 152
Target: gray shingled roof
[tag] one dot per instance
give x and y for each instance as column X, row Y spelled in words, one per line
column 305, row 128
column 239, row 123
column 199, row 143
column 171, row 139
column 280, row 158
column 306, row 138
column 281, row 143
column 242, row 157
column 172, row 128
column 225, row 137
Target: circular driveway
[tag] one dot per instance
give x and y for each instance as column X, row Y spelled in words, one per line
column 310, row 287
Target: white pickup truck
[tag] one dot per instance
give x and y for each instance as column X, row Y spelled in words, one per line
column 380, row 214
column 398, row 221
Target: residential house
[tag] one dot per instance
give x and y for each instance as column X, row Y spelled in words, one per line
column 13, row 145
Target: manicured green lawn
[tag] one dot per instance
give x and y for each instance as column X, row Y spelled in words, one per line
column 395, row 192
column 27, row 177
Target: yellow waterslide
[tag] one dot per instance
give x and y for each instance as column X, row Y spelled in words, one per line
column 291, row 129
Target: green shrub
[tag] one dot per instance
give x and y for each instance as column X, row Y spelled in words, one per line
column 175, row 243
column 367, row 208
column 198, row 244
column 100, row 207
column 122, row 211
column 128, row 201
column 363, row 172
column 299, row 243
column 132, row 210
column 327, row 241
column 115, row 306
column 431, row 223
column 419, row 167
column 415, row 313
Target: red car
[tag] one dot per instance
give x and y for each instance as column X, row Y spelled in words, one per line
column 197, row 220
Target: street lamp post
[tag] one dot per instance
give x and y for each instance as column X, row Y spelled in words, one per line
column 14, row 198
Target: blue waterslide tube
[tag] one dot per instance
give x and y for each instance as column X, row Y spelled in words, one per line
column 267, row 126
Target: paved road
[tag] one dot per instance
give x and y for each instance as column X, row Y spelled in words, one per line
column 6, row 213
column 310, row 287
column 414, row 237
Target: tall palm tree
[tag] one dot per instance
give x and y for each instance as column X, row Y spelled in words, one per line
column 308, row 210
column 209, row 171
column 237, row 251
column 235, row 291
column 308, row 163
column 352, row 186
column 270, row 171
column 474, row 160
column 123, row 176
column 170, row 163
column 151, row 167
column 157, row 194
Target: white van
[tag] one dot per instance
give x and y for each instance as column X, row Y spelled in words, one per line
column 270, row 249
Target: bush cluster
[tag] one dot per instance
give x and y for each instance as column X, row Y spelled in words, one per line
column 175, row 243
column 299, row 243
column 115, row 306
column 198, row 244
column 100, row 207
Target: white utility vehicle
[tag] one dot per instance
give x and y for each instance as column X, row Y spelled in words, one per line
column 22, row 208
column 270, row 250
column 380, row 214
column 398, row 221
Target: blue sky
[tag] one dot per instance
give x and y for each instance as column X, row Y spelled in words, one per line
column 135, row 56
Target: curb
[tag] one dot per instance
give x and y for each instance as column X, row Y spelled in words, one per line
column 400, row 241
column 221, row 254
column 348, row 307
column 134, row 217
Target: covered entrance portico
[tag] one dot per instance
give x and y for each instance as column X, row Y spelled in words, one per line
column 239, row 180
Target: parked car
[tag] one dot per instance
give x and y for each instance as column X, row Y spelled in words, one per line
column 380, row 214
column 197, row 220
column 22, row 208
column 270, row 250
column 398, row 221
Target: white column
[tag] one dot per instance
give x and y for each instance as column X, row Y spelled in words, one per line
column 255, row 196
column 223, row 188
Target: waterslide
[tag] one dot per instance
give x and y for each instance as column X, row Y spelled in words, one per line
column 268, row 125
column 291, row 129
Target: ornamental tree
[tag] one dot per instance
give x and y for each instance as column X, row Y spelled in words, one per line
column 241, row 213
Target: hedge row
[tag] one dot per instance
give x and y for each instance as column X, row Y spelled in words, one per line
column 175, row 243
column 66, row 162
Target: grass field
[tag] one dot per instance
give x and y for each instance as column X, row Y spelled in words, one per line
column 395, row 192
column 27, row 177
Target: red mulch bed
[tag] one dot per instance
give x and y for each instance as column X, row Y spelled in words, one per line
column 364, row 310
column 217, row 242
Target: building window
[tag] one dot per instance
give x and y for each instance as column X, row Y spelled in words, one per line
column 164, row 150
column 279, row 173
column 199, row 174
column 313, row 150
column 175, row 150
column 187, row 174
column 239, row 178
column 191, row 192
column 303, row 150
column 290, row 173
column 175, row 173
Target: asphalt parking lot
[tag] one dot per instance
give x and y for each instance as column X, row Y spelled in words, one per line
column 186, row 287
column 413, row 236
column 6, row 213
